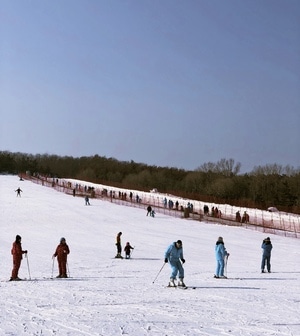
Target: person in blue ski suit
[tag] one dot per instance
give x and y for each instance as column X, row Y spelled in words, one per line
column 174, row 255
column 221, row 254
column 266, row 257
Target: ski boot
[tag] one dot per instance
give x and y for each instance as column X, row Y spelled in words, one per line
column 181, row 283
column 172, row 283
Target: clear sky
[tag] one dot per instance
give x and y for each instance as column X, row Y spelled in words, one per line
column 168, row 83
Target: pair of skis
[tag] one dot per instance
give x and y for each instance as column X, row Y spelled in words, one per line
column 180, row 287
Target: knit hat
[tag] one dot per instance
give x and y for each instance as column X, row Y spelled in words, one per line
column 220, row 239
column 18, row 238
column 62, row 239
column 179, row 242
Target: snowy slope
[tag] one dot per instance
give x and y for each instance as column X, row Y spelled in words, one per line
column 108, row 296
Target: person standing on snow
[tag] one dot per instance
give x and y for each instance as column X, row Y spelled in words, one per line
column 173, row 255
column 87, row 200
column 127, row 250
column 221, row 254
column 149, row 209
column 61, row 253
column 18, row 191
column 266, row 257
column 119, row 246
column 17, row 254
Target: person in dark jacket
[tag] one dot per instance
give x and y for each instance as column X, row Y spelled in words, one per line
column 17, row 254
column 127, row 250
column 87, row 200
column 266, row 256
column 149, row 210
column 119, row 246
column 61, row 253
column 18, row 191
column 173, row 255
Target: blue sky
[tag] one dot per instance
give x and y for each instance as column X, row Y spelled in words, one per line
column 167, row 83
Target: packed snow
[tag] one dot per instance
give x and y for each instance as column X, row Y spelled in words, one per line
column 108, row 296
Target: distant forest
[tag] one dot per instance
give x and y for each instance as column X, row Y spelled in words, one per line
column 266, row 186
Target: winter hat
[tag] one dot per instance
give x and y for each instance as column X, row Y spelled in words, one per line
column 62, row 239
column 18, row 238
column 179, row 242
column 220, row 239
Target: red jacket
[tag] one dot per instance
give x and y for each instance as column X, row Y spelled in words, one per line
column 17, row 251
column 62, row 251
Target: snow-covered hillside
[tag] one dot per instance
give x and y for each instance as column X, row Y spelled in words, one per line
column 108, row 296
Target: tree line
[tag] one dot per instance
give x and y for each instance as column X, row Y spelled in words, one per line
column 266, row 186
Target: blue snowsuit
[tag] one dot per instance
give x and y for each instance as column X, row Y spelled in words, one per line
column 266, row 257
column 174, row 254
column 221, row 253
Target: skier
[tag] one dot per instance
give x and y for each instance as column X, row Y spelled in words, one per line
column 127, row 250
column 149, row 209
column 266, row 257
column 119, row 246
column 61, row 252
column 17, row 254
column 173, row 255
column 221, row 254
column 18, row 191
column 238, row 217
column 87, row 201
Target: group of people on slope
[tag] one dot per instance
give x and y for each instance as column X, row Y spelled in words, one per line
column 61, row 252
column 174, row 256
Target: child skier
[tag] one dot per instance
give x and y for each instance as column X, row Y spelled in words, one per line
column 127, row 250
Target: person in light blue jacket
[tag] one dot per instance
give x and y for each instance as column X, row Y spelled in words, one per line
column 174, row 255
column 221, row 254
column 266, row 257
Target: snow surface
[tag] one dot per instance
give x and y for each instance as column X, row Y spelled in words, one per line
column 108, row 296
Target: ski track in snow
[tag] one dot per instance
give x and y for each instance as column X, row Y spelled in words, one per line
column 107, row 296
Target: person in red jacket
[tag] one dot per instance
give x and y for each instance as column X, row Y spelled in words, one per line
column 61, row 253
column 17, row 254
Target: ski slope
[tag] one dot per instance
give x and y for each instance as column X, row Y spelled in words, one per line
column 108, row 296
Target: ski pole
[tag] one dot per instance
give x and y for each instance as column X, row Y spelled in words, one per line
column 68, row 270
column 159, row 272
column 132, row 252
column 52, row 267
column 226, row 258
column 26, row 255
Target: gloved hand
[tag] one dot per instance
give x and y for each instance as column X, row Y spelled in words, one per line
column 183, row 261
column 166, row 260
column 25, row 251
